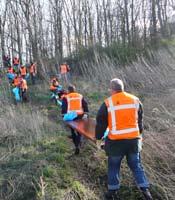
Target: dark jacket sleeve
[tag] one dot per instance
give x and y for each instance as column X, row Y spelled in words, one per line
column 140, row 117
column 85, row 105
column 101, row 122
column 64, row 106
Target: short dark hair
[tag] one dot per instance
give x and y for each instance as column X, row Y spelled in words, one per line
column 71, row 88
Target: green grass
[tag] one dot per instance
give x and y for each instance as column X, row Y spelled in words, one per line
column 40, row 98
column 50, row 157
column 167, row 42
column 48, row 172
column 47, row 159
column 96, row 96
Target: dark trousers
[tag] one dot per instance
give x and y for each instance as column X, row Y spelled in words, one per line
column 24, row 95
column 76, row 137
column 32, row 78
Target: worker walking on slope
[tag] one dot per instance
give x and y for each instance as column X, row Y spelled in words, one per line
column 16, row 63
column 33, row 72
column 17, row 87
column 74, row 102
column 122, row 114
column 23, row 71
column 10, row 74
column 10, row 70
column 17, row 80
column 24, row 88
column 54, row 83
column 64, row 69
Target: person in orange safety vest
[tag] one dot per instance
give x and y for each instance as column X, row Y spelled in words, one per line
column 54, row 83
column 74, row 101
column 16, row 63
column 10, row 74
column 10, row 70
column 122, row 114
column 56, row 88
column 64, row 69
column 24, row 88
column 23, row 71
column 33, row 72
column 17, row 80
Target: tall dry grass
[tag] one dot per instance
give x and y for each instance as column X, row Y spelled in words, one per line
column 159, row 160
column 149, row 73
column 152, row 79
column 22, row 124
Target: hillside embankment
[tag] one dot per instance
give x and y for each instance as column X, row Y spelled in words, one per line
column 36, row 158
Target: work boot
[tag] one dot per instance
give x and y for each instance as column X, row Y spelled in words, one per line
column 77, row 151
column 146, row 193
column 111, row 195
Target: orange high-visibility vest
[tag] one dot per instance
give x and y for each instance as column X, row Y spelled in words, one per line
column 15, row 61
column 63, row 69
column 33, row 68
column 53, row 87
column 74, row 102
column 11, row 70
column 24, row 84
column 123, row 116
column 23, row 71
column 17, row 81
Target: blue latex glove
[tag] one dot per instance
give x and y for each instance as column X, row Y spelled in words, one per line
column 59, row 88
column 106, row 133
column 70, row 116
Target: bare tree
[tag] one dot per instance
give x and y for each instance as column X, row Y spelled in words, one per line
column 2, row 29
column 57, row 28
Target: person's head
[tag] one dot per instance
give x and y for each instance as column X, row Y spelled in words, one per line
column 116, row 85
column 71, row 88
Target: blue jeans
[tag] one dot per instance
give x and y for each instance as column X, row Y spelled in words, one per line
column 134, row 163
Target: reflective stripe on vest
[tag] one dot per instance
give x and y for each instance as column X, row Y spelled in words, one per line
column 74, row 101
column 126, row 130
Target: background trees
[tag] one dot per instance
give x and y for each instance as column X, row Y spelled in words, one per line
column 56, row 28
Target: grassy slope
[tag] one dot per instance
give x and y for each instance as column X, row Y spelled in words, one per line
column 37, row 160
